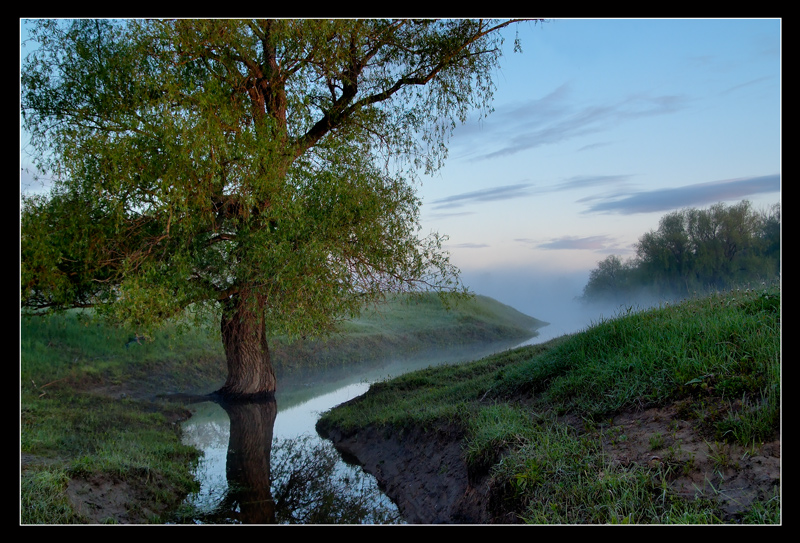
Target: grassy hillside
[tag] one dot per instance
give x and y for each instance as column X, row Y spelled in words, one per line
column 407, row 324
column 90, row 419
column 615, row 423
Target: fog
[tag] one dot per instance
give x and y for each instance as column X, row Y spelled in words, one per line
column 547, row 296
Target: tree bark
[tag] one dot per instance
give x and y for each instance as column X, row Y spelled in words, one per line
column 244, row 337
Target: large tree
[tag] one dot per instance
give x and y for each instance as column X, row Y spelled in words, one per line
column 262, row 169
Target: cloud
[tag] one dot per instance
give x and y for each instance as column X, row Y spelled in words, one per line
column 594, row 146
column 470, row 245
column 687, row 196
column 484, row 195
column 600, row 244
column 444, row 216
column 522, row 190
column 746, row 84
column 551, row 120
column 587, row 181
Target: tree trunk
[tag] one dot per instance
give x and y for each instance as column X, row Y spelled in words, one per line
column 244, row 336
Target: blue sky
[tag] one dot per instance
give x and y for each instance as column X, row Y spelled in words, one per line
column 601, row 127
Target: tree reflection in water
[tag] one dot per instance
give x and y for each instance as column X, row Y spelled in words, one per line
column 289, row 481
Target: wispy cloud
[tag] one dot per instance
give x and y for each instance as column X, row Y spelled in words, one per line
column 594, row 146
column 469, row 245
column 552, row 119
column 600, row 244
column 746, row 84
column 521, row 190
column 492, row 194
column 589, row 181
column 686, row 196
column 440, row 216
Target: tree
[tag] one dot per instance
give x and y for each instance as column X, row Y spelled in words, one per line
column 696, row 249
column 770, row 237
column 665, row 255
column 610, row 281
column 262, row 169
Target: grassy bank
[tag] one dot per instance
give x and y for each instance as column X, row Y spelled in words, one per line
column 406, row 325
column 89, row 421
column 644, row 418
column 94, row 428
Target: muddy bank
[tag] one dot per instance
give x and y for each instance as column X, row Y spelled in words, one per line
column 422, row 471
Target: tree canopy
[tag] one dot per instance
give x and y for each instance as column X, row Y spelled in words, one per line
column 694, row 250
column 263, row 169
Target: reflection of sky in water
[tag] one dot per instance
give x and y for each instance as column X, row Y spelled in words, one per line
column 208, row 428
column 301, row 419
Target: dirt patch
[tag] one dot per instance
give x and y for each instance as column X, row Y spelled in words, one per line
column 421, row 471
column 101, row 499
column 424, row 473
column 694, row 464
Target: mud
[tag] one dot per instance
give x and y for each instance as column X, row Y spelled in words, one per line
column 423, row 472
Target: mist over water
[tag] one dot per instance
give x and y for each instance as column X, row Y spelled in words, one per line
column 551, row 298
column 548, row 296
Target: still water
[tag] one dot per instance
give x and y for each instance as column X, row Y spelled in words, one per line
column 266, row 464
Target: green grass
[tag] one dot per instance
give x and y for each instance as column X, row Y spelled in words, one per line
column 74, row 347
column 404, row 315
column 555, row 476
column 74, row 434
column 87, row 407
column 404, row 325
column 717, row 359
column 44, row 499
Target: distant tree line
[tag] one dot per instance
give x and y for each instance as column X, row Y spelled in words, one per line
column 694, row 250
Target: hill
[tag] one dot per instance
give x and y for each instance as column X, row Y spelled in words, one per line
column 668, row 415
column 407, row 324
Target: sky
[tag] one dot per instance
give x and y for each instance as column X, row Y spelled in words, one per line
column 600, row 127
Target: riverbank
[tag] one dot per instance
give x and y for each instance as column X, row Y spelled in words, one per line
column 670, row 415
column 100, row 418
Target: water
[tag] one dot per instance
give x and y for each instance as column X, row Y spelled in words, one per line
column 266, row 464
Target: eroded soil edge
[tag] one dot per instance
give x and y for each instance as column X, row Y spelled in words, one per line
column 424, row 473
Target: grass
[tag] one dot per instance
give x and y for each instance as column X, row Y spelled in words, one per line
column 715, row 359
column 558, row 477
column 404, row 325
column 68, row 432
column 44, row 499
column 74, row 347
column 88, row 407
column 73, row 435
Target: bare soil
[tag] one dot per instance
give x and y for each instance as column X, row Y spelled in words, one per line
column 424, row 473
column 101, row 499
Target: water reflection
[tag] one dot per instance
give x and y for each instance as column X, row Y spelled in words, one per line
column 248, row 462
column 262, row 466
column 269, row 480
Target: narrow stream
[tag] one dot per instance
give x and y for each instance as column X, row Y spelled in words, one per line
column 266, row 464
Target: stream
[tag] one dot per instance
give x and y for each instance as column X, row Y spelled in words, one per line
column 265, row 464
